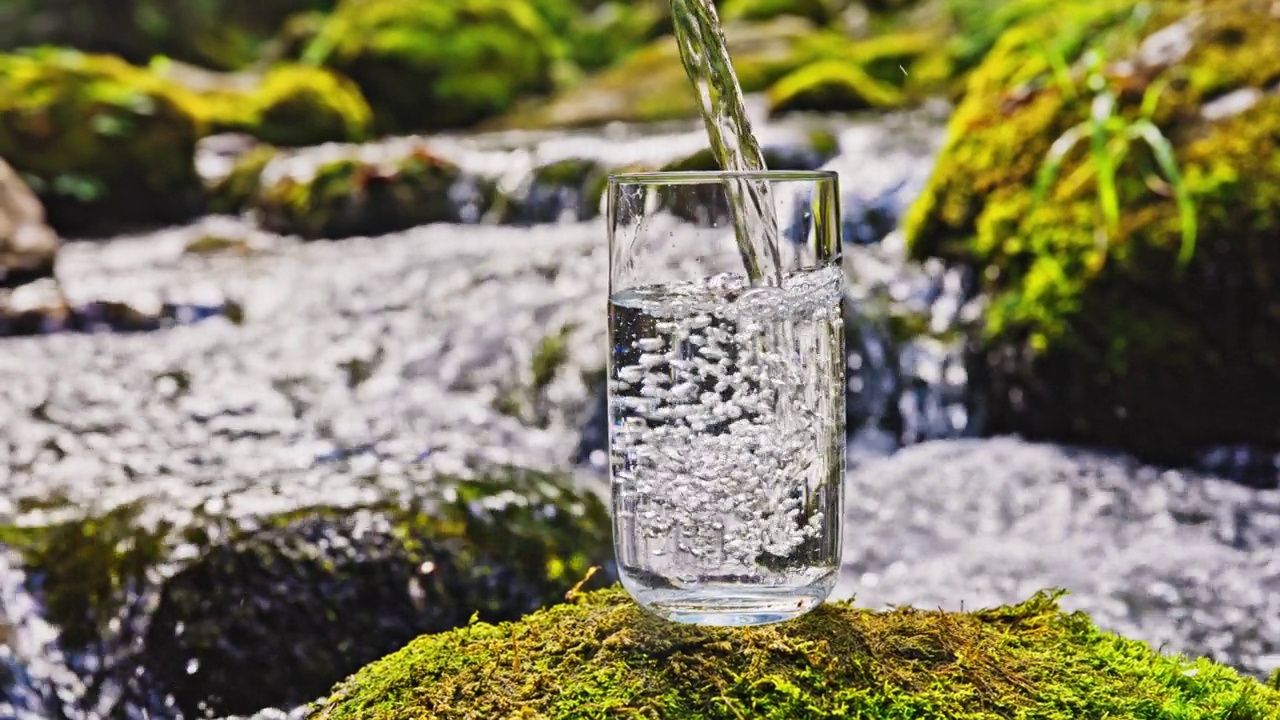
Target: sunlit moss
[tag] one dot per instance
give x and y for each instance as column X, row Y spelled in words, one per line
column 233, row 193
column 1103, row 335
column 820, row 12
column 605, row 657
column 650, row 84
column 231, row 615
column 301, row 105
column 832, row 86
column 100, row 141
column 433, row 65
column 350, row 197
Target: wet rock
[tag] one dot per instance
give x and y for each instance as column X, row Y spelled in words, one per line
column 1153, row 330
column 571, row 188
column 28, row 246
column 350, row 197
column 237, row 188
column 650, row 84
column 35, row 308
column 232, row 616
column 103, row 144
column 832, row 86
column 438, row 66
column 273, row 618
column 820, row 12
column 289, row 104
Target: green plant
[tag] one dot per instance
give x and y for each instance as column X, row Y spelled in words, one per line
column 1111, row 136
column 602, row 656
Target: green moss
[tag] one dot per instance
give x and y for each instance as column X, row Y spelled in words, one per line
column 650, row 84
column 831, row 86
column 218, row 245
column 103, row 143
column 604, row 657
column 229, row 616
column 91, row 568
column 233, row 194
column 820, row 12
column 615, row 29
column 1101, row 335
column 446, row 64
column 345, row 198
column 301, row 105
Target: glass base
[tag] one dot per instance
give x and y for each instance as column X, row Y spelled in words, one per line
column 730, row 604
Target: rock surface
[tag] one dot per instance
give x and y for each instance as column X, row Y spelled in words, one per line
column 1132, row 300
column 605, row 653
column 28, row 246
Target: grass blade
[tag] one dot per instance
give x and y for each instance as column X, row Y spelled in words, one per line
column 1162, row 149
column 1108, row 195
column 1052, row 164
column 1151, row 97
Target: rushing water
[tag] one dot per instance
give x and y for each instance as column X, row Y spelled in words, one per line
column 706, row 59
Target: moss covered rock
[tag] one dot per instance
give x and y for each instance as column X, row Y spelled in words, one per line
column 236, row 192
column 820, row 12
column 230, row 616
column 101, row 142
column 289, row 104
column 571, row 188
column 650, row 84
column 831, row 86
column 297, row 105
column 1131, row 332
column 433, row 65
column 350, row 197
column 613, row 30
column 604, row 656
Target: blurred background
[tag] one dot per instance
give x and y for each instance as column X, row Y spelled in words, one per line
column 302, row 317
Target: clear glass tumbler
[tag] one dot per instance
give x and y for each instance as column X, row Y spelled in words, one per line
column 726, row 395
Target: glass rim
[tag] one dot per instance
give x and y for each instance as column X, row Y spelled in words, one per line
column 700, row 177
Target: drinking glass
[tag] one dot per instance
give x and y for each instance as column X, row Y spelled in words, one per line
column 726, row 394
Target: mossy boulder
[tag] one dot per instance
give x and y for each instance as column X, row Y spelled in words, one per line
column 613, row 30
column 296, row 105
column 351, row 196
column 232, row 615
column 831, row 86
column 1133, row 332
column 235, row 192
column 571, row 188
column 820, row 12
column 435, row 65
column 844, row 75
column 289, row 104
column 650, row 84
column 101, row 142
column 604, row 656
